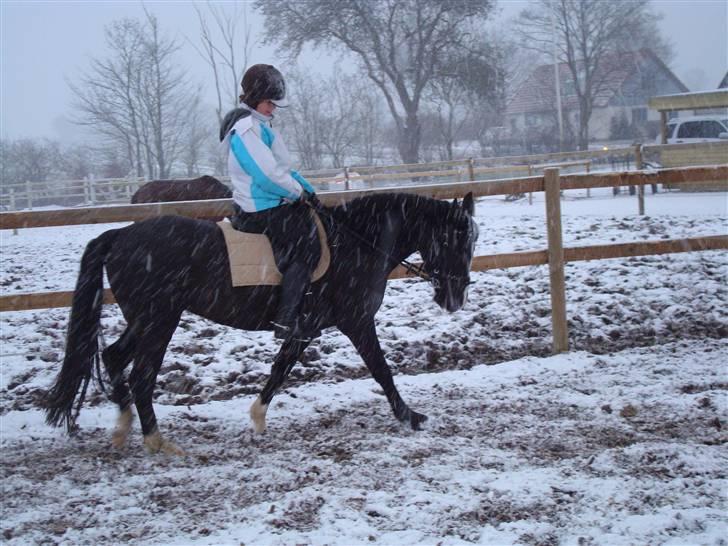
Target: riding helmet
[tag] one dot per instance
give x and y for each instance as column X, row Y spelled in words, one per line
column 263, row 82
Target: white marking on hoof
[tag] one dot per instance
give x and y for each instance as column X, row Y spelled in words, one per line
column 257, row 414
column 123, row 426
column 156, row 444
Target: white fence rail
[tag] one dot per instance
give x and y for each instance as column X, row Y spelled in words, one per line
column 89, row 192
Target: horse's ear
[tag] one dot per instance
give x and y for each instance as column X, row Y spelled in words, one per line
column 469, row 204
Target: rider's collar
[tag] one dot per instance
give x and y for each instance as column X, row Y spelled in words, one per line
column 255, row 114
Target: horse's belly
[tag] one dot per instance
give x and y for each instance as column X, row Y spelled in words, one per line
column 246, row 308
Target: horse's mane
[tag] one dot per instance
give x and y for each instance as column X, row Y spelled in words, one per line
column 362, row 212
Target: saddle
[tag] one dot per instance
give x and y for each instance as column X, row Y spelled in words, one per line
column 251, row 256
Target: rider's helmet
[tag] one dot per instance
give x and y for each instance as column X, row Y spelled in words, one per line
column 263, row 82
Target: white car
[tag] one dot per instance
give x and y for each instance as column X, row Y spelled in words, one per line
column 696, row 129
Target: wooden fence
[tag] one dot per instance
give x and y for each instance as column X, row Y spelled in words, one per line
column 552, row 183
column 119, row 190
column 92, row 191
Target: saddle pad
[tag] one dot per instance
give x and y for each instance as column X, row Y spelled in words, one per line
column 251, row 256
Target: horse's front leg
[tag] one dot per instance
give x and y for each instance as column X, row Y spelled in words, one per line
column 282, row 366
column 364, row 337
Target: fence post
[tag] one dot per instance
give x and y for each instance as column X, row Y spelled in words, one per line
column 28, row 196
column 471, row 169
column 92, row 189
column 347, row 185
column 12, row 206
column 641, row 188
column 588, row 170
column 530, row 194
column 556, row 261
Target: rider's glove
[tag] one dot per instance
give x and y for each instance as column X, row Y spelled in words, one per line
column 311, row 199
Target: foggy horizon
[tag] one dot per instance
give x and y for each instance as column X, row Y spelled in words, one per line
column 47, row 45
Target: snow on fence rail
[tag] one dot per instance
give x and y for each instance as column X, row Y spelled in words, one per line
column 552, row 183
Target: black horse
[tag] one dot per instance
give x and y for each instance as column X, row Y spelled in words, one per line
column 163, row 266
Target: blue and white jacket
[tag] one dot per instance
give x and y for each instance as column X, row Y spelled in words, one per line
column 259, row 163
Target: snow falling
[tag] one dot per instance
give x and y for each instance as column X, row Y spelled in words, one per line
column 620, row 441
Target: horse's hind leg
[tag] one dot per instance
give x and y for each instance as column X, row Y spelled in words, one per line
column 284, row 362
column 364, row 337
column 116, row 357
column 148, row 358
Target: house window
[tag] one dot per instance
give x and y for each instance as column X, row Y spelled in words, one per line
column 569, row 88
column 639, row 115
column 532, row 120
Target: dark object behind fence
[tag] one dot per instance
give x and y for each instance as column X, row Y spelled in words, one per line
column 196, row 189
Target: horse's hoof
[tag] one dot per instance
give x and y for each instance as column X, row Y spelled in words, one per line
column 257, row 415
column 417, row 420
column 123, row 426
column 156, row 444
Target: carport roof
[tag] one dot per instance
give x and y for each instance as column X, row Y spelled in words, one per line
column 717, row 98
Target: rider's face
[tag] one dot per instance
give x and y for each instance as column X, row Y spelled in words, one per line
column 266, row 107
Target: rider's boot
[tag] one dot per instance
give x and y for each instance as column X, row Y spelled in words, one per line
column 288, row 323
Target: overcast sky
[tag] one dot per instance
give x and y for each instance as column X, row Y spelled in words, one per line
column 45, row 44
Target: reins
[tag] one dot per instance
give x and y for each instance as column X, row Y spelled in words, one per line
column 410, row 267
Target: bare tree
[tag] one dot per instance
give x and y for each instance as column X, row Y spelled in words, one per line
column 367, row 120
column 449, row 100
column 324, row 118
column 193, row 143
column 588, row 35
column 78, row 161
column 468, row 86
column 304, row 121
column 138, row 98
column 221, row 44
column 340, row 133
column 28, row 160
column 106, row 94
column 166, row 103
column 400, row 44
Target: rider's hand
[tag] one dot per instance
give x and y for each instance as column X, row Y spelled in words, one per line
column 311, row 199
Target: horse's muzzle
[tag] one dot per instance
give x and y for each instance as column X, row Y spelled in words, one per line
column 449, row 298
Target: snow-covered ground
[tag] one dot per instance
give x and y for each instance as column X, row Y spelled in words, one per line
column 621, row 441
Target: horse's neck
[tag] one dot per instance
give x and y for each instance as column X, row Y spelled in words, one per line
column 400, row 223
column 410, row 226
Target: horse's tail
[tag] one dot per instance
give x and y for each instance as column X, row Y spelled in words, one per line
column 82, row 336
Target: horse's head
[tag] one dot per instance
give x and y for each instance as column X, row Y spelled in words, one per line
column 449, row 254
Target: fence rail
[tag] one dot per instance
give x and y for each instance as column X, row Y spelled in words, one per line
column 91, row 191
column 222, row 207
column 48, row 300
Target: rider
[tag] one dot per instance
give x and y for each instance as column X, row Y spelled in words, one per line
column 269, row 196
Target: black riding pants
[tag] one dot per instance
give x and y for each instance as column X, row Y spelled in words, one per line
column 292, row 233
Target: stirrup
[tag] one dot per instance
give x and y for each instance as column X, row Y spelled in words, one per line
column 281, row 331
column 288, row 333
